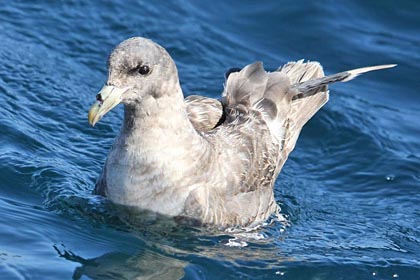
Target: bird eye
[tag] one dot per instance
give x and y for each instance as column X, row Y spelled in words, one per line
column 144, row 69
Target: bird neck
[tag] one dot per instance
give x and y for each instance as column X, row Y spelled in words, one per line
column 158, row 135
column 158, row 120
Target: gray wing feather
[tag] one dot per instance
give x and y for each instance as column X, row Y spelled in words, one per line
column 204, row 113
column 311, row 87
column 310, row 93
column 302, row 109
column 246, row 87
column 263, row 122
column 287, row 98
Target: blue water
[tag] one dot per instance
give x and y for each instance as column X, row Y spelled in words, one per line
column 350, row 192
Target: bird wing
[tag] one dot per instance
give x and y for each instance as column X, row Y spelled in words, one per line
column 310, row 88
column 204, row 113
column 264, row 113
column 302, row 109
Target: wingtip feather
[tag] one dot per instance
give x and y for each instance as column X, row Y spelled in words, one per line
column 356, row 72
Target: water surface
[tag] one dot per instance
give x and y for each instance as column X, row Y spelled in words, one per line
column 349, row 192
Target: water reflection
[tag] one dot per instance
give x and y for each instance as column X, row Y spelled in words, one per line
column 118, row 265
column 172, row 248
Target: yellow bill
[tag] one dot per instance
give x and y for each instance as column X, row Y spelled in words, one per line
column 106, row 99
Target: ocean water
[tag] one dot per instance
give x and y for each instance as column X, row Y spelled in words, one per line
column 349, row 193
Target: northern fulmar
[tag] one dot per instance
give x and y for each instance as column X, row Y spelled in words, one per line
column 211, row 160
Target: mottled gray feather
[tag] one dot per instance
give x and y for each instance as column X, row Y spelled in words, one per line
column 302, row 109
column 247, row 86
column 204, row 113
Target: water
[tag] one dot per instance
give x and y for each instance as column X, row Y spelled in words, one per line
column 349, row 192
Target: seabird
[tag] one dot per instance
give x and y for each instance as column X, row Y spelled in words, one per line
column 214, row 161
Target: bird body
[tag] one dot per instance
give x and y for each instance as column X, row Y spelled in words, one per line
column 210, row 160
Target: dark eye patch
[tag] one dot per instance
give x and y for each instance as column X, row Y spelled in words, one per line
column 140, row 69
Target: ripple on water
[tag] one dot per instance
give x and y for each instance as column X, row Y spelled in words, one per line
column 348, row 193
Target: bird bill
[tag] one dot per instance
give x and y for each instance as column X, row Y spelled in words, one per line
column 106, row 99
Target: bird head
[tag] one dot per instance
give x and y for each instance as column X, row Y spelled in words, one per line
column 137, row 68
